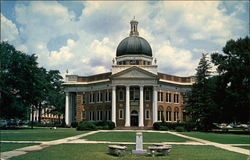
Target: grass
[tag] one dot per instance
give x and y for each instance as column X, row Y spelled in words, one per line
column 245, row 147
column 99, row 152
column 37, row 134
column 131, row 137
column 220, row 137
column 11, row 146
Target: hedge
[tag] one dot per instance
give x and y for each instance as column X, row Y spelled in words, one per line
column 87, row 125
column 188, row 126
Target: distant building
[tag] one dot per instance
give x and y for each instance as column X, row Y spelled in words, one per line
column 46, row 116
column 134, row 93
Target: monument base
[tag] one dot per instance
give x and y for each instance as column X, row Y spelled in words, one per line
column 139, row 151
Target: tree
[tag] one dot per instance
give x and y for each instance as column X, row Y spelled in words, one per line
column 200, row 104
column 25, row 87
column 56, row 96
column 233, row 67
column 15, row 74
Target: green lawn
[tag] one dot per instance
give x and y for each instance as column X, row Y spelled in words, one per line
column 130, row 137
column 223, row 138
column 245, row 147
column 38, row 134
column 11, row 146
column 99, row 152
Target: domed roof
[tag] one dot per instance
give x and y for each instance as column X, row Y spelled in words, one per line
column 134, row 45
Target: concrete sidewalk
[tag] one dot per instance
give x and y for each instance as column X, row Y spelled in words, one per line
column 219, row 145
column 24, row 150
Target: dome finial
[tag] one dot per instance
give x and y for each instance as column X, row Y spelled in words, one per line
column 133, row 31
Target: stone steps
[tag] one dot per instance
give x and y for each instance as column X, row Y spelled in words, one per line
column 133, row 128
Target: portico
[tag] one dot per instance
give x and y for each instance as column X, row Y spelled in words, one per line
column 135, row 80
column 134, row 103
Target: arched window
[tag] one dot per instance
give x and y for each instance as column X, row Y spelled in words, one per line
column 168, row 114
column 176, row 114
column 160, row 113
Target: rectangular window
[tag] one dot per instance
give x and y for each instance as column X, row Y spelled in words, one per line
column 176, row 114
column 160, row 96
column 147, row 114
column 134, row 94
column 121, row 114
column 99, row 97
column 83, row 114
column 121, row 95
column 83, row 99
column 91, row 97
column 91, row 115
column 99, row 115
column 108, row 96
column 160, row 116
column 131, row 95
column 168, row 114
column 109, row 115
column 168, row 97
column 176, row 98
column 147, row 95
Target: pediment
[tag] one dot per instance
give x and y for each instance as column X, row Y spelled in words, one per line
column 135, row 72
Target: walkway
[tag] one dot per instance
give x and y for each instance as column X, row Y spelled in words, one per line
column 24, row 150
column 75, row 139
column 219, row 145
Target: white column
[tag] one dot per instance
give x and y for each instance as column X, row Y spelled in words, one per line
column 67, row 109
column 114, row 104
column 141, row 119
column 37, row 115
column 127, row 123
column 154, row 104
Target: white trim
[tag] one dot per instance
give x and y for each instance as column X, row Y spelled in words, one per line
column 91, row 98
column 175, row 98
column 121, row 110
column 147, row 118
column 174, row 82
column 160, row 97
column 91, row 82
column 168, row 97
column 168, row 114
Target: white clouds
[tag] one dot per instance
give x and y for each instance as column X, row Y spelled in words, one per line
column 171, row 58
column 173, row 29
column 63, row 55
column 9, row 31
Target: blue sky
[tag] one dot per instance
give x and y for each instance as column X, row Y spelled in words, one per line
column 82, row 36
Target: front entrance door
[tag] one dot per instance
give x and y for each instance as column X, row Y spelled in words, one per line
column 134, row 118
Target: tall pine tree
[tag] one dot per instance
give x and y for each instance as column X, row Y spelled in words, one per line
column 200, row 103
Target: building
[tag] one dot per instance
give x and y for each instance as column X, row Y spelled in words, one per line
column 134, row 93
column 46, row 116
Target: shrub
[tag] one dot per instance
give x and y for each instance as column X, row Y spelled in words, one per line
column 189, row 126
column 86, row 126
column 157, row 125
column 111, row 125
column 180, row 129
column 163, row 128
column 74, row 124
